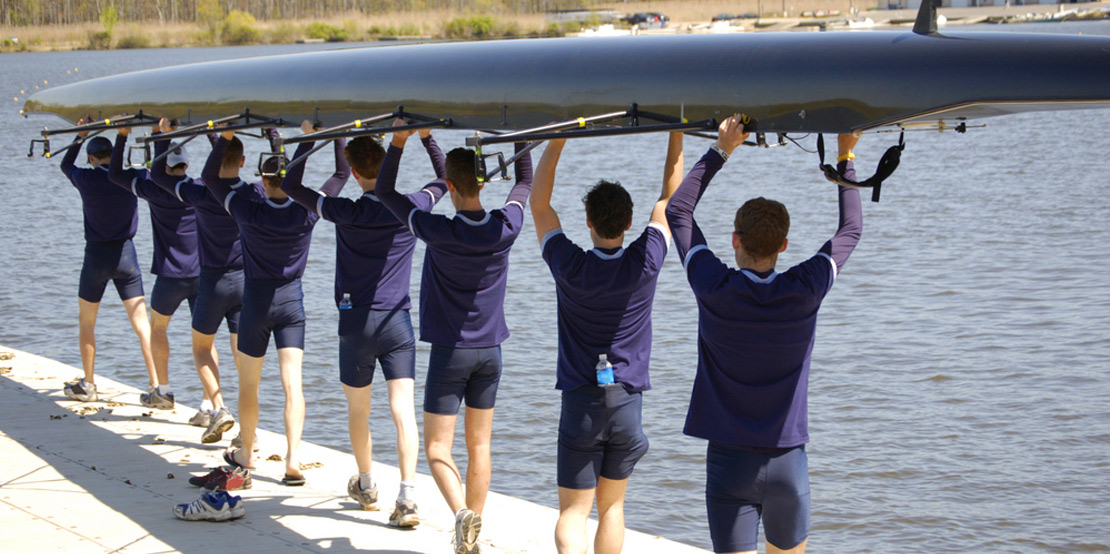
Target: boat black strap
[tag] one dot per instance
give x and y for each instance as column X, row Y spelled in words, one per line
column 887, row 164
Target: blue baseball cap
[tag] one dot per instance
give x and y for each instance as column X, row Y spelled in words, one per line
column 98, row 146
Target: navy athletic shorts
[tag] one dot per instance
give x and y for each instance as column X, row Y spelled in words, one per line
column 458, row 373
column 271, row 306
column 114, row 261
column 600, row 434
column 219, row 297
column 367, row 336
column 743, row 483
column 170, row 292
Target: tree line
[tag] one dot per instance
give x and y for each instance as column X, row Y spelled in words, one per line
column 65, row 12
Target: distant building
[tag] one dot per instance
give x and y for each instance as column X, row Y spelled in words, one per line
column 914, row 4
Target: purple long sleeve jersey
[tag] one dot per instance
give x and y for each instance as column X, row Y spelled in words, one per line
column 217, row 234
column 110, row 213
column 755, row 332
column 466, row 263
column 373, row 250
column 174, row 224
column 276, row 234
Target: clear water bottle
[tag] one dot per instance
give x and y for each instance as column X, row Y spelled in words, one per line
column 345, row 302
column 604, row 370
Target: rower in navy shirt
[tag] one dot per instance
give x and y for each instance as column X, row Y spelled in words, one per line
column 605, row 297
column 176, row 262
column 462, row 293
column 220, row 286
column 276, row 234
column 111, row 219
column 755, row 336
column 372, row 273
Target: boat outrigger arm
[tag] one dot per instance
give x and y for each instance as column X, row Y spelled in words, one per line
column 356, row 128
column 247, row 120
column 93, row 129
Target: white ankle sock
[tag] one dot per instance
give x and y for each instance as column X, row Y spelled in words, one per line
column 206, row 406
column 365, row 482
column 407, row 490
column 163, row 390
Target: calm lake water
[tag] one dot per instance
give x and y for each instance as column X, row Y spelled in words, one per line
column 960, row 392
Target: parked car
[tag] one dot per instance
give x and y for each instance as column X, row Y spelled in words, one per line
column 648, row 20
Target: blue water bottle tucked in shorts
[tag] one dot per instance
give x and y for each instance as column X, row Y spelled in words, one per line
column 345, row 302
column 604, row 370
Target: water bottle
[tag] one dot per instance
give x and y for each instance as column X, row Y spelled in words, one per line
column 345, row 303
column 604, row 370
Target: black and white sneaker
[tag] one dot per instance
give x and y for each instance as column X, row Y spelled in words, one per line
column 404, row 514
column 220, row 422
column 81, row 391
column 152, row 399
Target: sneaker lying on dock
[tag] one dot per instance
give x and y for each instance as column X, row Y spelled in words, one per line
column 151, row 399
column 220, row 422
column 366, row 498
column 81, row 391
column 211, row 506
column 224, row 479
column 404, row 514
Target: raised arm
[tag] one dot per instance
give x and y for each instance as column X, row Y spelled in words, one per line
column 543, row 215
column 116, row 173
column 69, row 161
column 219, row 187
column 523, row 170
column 386, row 187
column 672, row 177
column 850, row 229
column 439, row 161
column 334, row 185
column 680, row 209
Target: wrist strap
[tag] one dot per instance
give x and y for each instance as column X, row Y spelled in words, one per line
column 721, row 151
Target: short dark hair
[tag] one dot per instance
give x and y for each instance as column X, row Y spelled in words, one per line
column 269, row 170
column 608, row 208
column 234, row 153
column 762, row 226
column 365, row 155
column 179, row 166
column 460, row 170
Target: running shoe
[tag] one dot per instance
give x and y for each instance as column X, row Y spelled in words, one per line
column 467, row 526
column 232, row 479
column 219, row 423
column 367, row 498
column 200, row 419
column 237, row 443
column 81, row 391
column 404, row 514
column 211, row 506
column 152, row 399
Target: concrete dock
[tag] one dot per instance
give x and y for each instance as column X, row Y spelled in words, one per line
column 103, row 477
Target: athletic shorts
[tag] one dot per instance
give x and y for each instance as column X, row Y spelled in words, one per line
column 742, row 484
column 219, row 297
column 367, row 336
column 600, row 434
column 169, row 292
column 114, row 261
column 458, row 373
column 271, row 307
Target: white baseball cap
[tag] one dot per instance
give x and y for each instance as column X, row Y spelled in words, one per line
column 177, row 156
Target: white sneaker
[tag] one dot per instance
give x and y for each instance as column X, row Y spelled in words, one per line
column 81, row 391
column 211, row 506
column 467, row 526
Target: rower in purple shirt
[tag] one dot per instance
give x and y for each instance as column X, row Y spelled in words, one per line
column 462, row 315
column 755, row 337
column 176, row 262
column 372, row 273
column 111, row 219
column 220, row 286
column 276, row 234
column 604, row 313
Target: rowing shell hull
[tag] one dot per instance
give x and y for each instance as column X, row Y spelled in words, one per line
column 791, row 82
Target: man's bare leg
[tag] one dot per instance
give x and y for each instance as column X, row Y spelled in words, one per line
column 140, row 323
column 610, row 516
column 250, row 375
column 404, row 419
column 574, row 510
column 86, row 322
column 160, row 345
column 439, row 435
column 290, row 361
column 207, row 361
column 479, row 427
column 800, row 549
column 358, row 425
